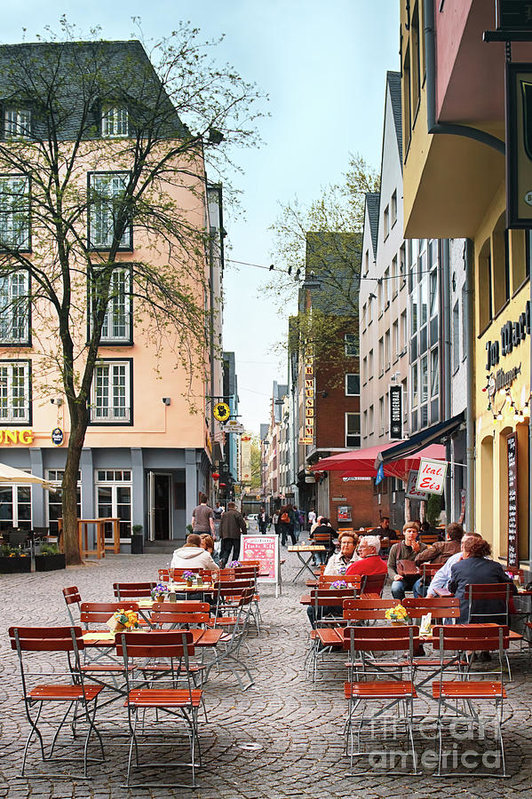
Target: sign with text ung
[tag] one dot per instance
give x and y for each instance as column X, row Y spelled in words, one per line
column 431, row 476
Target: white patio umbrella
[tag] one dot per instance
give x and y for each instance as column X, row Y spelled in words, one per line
column 8, row 474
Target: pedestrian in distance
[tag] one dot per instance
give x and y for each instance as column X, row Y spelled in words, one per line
column 232, row 526
column 286, row 524
column 263, row 521
column 203, row 517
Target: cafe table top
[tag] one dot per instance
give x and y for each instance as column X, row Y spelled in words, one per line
column 307, row 548
column 200, row 637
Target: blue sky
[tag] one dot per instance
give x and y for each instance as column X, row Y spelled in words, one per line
column 323, row 65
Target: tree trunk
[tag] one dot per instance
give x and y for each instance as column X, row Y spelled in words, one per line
column 78, row 426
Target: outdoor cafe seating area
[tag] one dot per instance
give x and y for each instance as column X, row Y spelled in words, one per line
column 416, row 683
column 133, row 669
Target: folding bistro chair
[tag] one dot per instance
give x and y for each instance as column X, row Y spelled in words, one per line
column 373, row 584
column 73, row 602
column 133, row 590
column 471, row 688
column 79, row 698
column 373, row 680
column 326, row 615
column 236, row 601
column 174, row 648
column 495, row 598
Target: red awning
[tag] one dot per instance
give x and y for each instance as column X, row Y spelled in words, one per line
column 361, row 462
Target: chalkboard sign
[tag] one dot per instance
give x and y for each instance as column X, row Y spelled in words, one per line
column 513, row 528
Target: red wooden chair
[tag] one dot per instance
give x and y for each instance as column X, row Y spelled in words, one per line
column 174, row 649
column 471, row 688
column 133, row 590
column 72, row 692
column 375, row 680
column 373, row 584
column 73, row 602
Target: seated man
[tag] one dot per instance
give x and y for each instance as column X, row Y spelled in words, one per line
column 370, row 562
column 442, row 577
column 404, row 550
column 339, row 561
column 439, row 552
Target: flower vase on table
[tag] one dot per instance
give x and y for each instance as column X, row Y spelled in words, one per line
column 158, row 593
column 397, row 615
column 189, row 577
column 123, row 620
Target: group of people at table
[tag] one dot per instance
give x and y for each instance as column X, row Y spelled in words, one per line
column 464, row 559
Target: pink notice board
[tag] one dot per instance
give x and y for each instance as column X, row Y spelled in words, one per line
column 264, row 548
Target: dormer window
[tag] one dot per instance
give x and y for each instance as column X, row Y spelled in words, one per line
column 17, row 123
column 114, row 122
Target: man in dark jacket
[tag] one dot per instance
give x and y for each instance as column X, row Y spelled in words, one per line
column 404, row 551
column 232, row 525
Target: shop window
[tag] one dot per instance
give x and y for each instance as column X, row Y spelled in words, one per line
column 114, row 498
column 15, row 507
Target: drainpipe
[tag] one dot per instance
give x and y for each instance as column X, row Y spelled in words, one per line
column 470, row 417
column 430, row 64
column 445, row 364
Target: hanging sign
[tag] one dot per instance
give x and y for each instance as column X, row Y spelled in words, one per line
column 431, row 476
column 222, row 411
column 57, row 436
column 411, row 491
column 307, row 436
column 396, row 412
column 518, row 145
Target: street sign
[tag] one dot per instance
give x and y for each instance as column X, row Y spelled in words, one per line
column 222, row 411
column 234, row 426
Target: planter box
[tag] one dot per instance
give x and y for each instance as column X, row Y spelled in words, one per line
column 48, row 563
column 13, row 565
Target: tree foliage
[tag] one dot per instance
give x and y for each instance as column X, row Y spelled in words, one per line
column 179, row 102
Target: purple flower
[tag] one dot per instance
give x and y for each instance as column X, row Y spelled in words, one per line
column 188, row 575
column 234, row 564
column 339, row 584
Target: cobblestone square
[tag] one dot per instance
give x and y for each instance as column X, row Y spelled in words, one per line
column 281, row 738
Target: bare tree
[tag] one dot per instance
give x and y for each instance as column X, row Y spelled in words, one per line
column 105, row 144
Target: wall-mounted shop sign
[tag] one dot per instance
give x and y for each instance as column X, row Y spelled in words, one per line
column 411, row 492
column 356, row 479
column 512, row 334
column 309, row 402
column 9, row 436
column 514, row 15
column 518, row 145
column 57, row 436
column 396, row 412
column 501, row 379
column 513, row 528
column 431, row 476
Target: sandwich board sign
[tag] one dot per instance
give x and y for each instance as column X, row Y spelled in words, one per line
column 265, row 549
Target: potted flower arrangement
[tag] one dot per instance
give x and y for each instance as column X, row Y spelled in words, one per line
column 234, row 564
column 13, row 560
column 189, row 577
column 49, row 558
column 159, row 592
column 123, row 620
column 397, row 615
column 339, row 584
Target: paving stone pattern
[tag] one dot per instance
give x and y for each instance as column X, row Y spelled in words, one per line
column 281, row 738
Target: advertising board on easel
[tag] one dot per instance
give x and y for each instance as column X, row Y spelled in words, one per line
column 265, row 549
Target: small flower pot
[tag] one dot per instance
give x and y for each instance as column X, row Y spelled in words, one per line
column 14, row 565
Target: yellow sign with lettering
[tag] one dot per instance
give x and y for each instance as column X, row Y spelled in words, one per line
column 9, row 436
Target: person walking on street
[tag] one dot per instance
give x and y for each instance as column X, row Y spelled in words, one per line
column 264, row 520
column 232, row 525
column 217, row 514
column 203, row 517
column 286, row 524
column 275, row 521
column 311, row 518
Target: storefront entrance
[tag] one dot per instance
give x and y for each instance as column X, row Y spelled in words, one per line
column 160, row 505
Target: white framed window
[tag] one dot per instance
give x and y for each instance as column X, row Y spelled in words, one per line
column 434, row 373
column 55, row 511
column 115, row 122
column 456, row 337
column 113, row 498
column 352, row 429
column 393, row 207
column 15, row 405
column 15, row 507
column 14, row 308
column 352, row 385
column 17, row 123
column 111, row 393
column 386, row 221
column 351, row 345
column 116, row 325
column 424, row 369
column 106, row 203
column 415, row 385
column 14, row 212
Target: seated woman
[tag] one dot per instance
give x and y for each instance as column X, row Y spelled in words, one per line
column 207, row 542
column 476, row 568
column 192, row 555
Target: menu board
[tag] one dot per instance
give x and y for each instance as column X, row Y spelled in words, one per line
column 513, row 528
column 264, row 548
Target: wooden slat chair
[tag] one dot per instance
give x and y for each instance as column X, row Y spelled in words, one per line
column 246, row 571
column 174, row 648
column 71, row 692
column 325, row 615
column 325, row 580
column 73, row 602
column 471, row 688
column 373, row 679
column 133, row 590
column 325, row 540
column 373, row 584
column 497, row 594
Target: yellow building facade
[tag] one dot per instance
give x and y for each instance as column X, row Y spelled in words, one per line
column 454, row 187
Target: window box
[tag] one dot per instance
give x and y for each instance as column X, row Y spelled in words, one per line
column 48, row 563
column 15, row 565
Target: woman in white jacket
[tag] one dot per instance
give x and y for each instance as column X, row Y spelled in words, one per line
column 192, row 556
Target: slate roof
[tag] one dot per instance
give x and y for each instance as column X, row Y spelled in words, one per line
column 394, row 82
column 71, row 77
column 372, row 206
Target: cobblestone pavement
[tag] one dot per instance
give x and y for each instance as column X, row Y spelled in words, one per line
column 281, row 738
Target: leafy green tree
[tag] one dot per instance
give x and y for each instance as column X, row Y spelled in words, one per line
column 164, row 111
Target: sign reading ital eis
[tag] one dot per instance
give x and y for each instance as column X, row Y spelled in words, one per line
column 308, row 430
column 431, row 476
